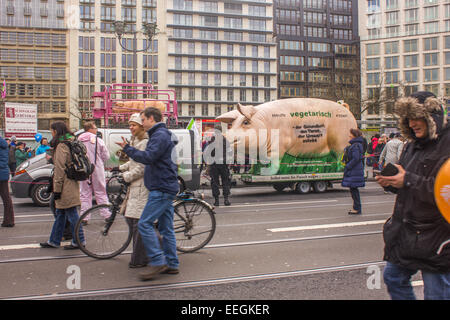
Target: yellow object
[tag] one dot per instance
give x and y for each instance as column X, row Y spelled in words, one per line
column 442, row 190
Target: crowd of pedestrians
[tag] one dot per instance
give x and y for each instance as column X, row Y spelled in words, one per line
column 417, row 237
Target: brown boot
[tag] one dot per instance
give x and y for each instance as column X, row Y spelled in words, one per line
column 152, row 271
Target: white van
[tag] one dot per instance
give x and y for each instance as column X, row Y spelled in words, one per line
column 34, row 174
column 188, row 153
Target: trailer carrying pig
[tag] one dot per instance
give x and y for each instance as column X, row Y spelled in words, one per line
column 304, row 139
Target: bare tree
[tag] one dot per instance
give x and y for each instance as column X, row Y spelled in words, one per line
column 346, row 85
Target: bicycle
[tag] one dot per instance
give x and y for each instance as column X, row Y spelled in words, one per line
column 107, row 233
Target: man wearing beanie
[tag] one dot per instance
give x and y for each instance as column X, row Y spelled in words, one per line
column 417, row 237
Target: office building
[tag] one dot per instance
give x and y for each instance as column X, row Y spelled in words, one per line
column 34, row 56
column 318, row 46
column 220, row 53
column 405, row 47
column 97, row 59
column 214, row 54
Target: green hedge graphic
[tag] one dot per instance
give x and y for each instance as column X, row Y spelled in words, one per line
column 305, row 164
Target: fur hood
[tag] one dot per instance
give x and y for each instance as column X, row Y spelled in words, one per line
column 426, row 107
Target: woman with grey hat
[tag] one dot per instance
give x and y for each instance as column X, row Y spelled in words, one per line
column 133, row 173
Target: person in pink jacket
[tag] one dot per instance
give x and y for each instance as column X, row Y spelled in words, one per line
column 97, row 183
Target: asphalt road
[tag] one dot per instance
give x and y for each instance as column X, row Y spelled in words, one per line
column 268, row 245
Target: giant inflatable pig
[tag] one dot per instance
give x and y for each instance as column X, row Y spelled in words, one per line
column 305, row 127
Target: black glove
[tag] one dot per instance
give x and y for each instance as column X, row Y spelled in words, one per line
column 57, row 195
column 121, row 180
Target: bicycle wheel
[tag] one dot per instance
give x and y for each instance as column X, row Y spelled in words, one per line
column 194, row 225
column 105, row 238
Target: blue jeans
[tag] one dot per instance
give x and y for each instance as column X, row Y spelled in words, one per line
column 71, row 214
column 398, row 282
column 159, row 207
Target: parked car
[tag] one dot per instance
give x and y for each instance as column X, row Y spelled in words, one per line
column 32, row 179
column 32, row 176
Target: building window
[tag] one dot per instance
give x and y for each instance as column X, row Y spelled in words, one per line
column 218, row 110
column 430, row 44
column 373, row 78
column 434, row 88
column 430, row 59
column 373, row 64
column 410, row 45
column 391, row 62
column 191, row 110
column 411, row 61
column 431, row 75
column 412, row 76
column 391, row 77
column 205, row 110
column 373, row 49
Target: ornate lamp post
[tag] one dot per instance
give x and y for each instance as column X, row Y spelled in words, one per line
column 149, row 30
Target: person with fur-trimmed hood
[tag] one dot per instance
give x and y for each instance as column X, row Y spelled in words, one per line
column 417, row 237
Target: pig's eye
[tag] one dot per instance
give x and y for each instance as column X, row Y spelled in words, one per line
column 246, row 122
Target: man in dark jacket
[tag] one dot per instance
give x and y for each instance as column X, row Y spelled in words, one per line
column 417, row 237
column 218, row 155
column 161, row 179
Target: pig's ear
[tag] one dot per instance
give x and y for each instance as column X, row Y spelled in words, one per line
column 246, row 111
column 228, row 117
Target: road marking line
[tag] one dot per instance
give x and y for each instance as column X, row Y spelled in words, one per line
column 26, row 246
column 20, row 246
column 328, row 226
column 278, row 203
column 33, row 215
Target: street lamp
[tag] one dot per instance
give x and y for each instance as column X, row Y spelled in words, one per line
column 149, row 30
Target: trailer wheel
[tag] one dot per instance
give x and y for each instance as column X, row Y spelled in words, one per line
column 320, row 186
column 303, row 187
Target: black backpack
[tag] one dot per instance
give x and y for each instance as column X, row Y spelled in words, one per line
column 80, row 168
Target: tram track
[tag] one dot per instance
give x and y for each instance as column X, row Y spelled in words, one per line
column 196, row 283
column 244, row 250
column 210, row 246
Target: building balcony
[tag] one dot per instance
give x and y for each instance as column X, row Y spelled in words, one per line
column 131, row 3
column 149, row 3
column 88, row 16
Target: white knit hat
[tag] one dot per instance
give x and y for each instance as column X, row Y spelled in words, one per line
column 136, row 117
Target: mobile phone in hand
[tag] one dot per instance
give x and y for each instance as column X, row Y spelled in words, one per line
column 389, row 171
